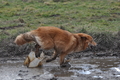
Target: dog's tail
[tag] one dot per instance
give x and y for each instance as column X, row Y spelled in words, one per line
column 24, row 38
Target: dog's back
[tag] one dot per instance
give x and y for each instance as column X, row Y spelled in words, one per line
column 53, row 37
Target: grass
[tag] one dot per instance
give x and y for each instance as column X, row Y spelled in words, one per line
column 72, row 15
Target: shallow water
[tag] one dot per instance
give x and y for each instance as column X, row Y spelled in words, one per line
column 13, row 68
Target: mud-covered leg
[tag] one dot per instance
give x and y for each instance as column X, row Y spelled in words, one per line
column 62, row 57
column 55, row 54
column 67, row 61
column 64, row 63
column 37, row 50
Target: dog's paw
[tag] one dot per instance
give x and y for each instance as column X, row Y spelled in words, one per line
column 48, row 60
column 65, row 65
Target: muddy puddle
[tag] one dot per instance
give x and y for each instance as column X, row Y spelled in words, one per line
column 82, row 68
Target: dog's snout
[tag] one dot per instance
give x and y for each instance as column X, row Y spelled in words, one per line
column 94, row 43
column 14, row 42
column 92, row 46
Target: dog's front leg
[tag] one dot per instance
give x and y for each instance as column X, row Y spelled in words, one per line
column 54, row 56
column 62, row 62
column 62, row 57
column 37, row 50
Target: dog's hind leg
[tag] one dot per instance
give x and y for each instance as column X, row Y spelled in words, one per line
column 37, row 50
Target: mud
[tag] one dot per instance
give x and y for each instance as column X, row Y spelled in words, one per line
column 11, row 27
column 86, row 68
column 103, row 65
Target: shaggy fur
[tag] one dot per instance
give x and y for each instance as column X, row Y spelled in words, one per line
column 63, row 42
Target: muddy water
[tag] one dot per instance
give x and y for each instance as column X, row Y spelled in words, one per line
column 13, row 69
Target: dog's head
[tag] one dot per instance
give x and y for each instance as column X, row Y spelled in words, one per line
column 23, row 38
column 87, row 40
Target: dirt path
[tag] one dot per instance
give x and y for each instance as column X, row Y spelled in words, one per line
column 86, row 68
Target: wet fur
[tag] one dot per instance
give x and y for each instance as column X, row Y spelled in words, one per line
column 63, row 42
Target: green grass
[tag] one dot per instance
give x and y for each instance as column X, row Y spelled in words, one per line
column 73, row 15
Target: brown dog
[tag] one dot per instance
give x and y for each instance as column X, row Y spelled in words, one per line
column 63, row 42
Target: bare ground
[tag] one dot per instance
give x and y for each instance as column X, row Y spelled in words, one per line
column 103, row 65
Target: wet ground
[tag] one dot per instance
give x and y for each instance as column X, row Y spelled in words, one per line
column 86, row 68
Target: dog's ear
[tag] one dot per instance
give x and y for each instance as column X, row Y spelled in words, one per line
column 87, row 38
